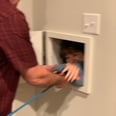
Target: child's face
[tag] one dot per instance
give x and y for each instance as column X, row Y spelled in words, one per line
column 74, row 57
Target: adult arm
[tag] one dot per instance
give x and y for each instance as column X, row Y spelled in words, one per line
column 16, row 45
column 39, row 76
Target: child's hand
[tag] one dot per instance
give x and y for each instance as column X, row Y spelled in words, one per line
column 72, row 72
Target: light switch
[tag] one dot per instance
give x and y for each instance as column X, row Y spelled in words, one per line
column 91, row 23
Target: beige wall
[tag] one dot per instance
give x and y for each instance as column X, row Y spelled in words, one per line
column 39, row 14
column 34, row 11
column 66, row 16
column 27, row 8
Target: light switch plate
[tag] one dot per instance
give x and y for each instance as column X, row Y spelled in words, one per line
column 91, row 23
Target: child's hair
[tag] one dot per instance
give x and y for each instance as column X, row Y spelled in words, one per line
column 68, row 47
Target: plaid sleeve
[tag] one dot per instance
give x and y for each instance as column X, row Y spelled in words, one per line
column 15, row 42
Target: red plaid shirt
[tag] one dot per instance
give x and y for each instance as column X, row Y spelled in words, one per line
column 16, row 53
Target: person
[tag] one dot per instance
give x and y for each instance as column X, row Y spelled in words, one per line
column 17, row 57
column 71, row 53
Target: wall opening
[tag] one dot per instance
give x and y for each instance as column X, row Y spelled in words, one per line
column 53, row 45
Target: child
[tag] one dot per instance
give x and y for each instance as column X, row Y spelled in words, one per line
column 72, row 53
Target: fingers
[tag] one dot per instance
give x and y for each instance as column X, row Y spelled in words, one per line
column 55, row 72
column 48, row 67
column 72, row 72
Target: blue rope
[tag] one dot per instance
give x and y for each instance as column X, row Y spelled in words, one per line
column 30, row 100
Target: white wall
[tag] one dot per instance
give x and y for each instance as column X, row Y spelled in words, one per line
column 39, row 14
column 66, row 16
column 27, row 8
column 34, row 11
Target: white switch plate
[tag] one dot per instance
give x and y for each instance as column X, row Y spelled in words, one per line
column 91, row 23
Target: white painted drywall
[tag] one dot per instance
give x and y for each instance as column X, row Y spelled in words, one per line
column 66, row 16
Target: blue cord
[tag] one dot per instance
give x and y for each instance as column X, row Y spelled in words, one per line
column 30, row 100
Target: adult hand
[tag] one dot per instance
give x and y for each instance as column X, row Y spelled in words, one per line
column 48, row 67
column 62, row 83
